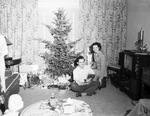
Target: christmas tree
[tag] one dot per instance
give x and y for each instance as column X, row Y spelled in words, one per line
column 60, row 54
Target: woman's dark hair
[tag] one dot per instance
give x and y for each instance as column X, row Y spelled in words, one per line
column 77, row 60
column 95, row 43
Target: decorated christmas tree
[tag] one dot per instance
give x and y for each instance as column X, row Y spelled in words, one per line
column 60, row 54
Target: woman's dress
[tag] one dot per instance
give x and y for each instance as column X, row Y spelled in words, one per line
column 100, row 68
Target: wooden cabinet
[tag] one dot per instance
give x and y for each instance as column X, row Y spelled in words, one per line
column 145, row 88
column 131, row 78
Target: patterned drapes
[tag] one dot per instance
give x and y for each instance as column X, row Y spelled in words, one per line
column 19, row 23
column 104, row 21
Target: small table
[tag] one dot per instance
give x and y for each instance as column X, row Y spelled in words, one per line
column 114, row 72
column 43, row 108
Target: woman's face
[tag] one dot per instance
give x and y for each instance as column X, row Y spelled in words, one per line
column 95, row 48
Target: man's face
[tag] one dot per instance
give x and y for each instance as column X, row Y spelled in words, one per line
column 81, row 63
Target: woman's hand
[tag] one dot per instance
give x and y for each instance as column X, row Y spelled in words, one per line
column 94, row 65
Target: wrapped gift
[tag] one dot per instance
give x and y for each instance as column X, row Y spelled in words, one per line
column 69, row 107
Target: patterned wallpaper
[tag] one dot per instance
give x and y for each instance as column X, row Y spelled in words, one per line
column 104, row 21
column 19, row 23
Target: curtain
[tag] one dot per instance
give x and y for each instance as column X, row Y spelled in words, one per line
column 104, row 21
column 19, row 24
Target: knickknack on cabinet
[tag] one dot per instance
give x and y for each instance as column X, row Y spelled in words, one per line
column 131, row 78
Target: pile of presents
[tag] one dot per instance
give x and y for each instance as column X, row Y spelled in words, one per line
column 31, row 77
column 61, row 82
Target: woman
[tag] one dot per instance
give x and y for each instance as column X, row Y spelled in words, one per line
column 98, row 62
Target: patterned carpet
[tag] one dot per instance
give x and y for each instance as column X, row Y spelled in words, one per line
column 107, row 102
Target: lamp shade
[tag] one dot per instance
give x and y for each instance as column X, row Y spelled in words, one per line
column 8, row 42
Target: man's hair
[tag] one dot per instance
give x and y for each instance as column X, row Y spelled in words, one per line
column 77, row 60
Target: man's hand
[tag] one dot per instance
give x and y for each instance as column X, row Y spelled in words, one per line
column 88, row 80
column 83, row 83
column 95, row 79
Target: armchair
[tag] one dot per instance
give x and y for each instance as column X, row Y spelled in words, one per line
column 12, row 87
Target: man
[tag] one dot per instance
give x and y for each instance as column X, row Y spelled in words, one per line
column 142, row 108
column 3, row 53
column 83, row 85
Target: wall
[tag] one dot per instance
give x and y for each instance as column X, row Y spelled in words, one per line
column 138, row 16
